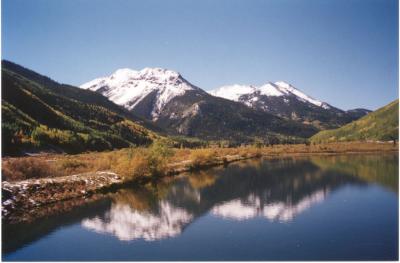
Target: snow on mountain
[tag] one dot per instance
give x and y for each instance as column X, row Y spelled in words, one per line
column 290, row 89
column 127, row 87
column 270, row 89
column 279, row 88
column 232, row 92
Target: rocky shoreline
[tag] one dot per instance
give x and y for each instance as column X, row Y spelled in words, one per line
column 28, row 195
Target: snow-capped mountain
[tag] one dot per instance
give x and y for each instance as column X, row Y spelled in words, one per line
column 166, row 98
column 277, row 89
column 250, row 94
column 284, row 100
column 128, row 87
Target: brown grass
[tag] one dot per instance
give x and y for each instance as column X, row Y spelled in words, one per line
column 134, row 162
column 201, row 157
column 27, row 168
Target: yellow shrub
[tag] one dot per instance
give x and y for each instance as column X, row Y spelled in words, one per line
column 201, row 157
column 131, row 168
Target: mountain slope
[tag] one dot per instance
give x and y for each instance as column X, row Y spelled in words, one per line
column 129, row 88
column 381, row 125
column 277, row 89
column 39, row 113
column 181, row 108
column 200, row 115
column 284, row 100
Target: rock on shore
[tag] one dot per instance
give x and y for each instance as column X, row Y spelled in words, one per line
column 32, row 193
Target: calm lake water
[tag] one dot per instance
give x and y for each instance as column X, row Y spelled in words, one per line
column 313, row 208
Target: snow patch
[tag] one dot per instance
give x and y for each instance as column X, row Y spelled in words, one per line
column 233, row 92
column 270, row 89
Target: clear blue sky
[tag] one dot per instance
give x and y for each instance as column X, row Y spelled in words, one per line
column 344, row 52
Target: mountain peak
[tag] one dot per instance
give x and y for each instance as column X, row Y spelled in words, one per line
column 283, row 84
column 270, row 89
column 128, row 87
column 124, row 72
column 122, row 75
column 158, row 71
column 233, row 92
column 289, row 89
column 164, row 75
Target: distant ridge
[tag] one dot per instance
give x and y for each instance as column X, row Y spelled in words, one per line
column 284, row 100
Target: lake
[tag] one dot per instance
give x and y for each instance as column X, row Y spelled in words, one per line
column 339, row 207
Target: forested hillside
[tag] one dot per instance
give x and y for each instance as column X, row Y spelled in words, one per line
column 380, row 125
column 41, row 114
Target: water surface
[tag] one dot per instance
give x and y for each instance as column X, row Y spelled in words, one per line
column 313, row 208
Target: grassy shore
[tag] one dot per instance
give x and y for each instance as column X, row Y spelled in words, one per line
column 160, row 159
column 32, row 185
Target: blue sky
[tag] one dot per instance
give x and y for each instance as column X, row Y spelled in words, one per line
column 344, row 52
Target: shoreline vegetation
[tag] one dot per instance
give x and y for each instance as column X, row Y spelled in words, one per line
column 32, row 184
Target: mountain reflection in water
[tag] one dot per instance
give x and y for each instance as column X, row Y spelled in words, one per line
column 127, row 223
column 252, row 207
column 277, row 190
